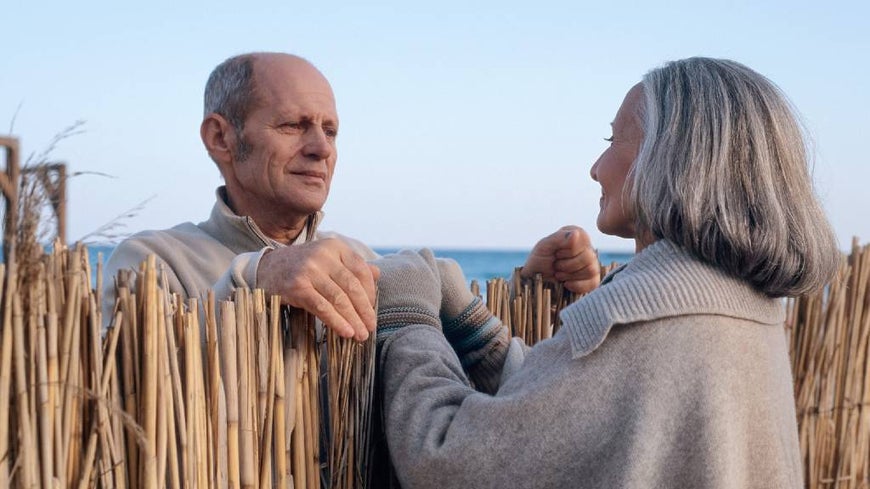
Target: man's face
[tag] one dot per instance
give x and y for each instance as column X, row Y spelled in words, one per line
column 290, row 141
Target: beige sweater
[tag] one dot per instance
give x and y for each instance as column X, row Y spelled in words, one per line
column 670, row 375
column 221, row 253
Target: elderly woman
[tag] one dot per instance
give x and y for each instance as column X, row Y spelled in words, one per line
column 674, row 372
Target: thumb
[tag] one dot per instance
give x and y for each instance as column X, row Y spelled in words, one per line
column 565, row 238
column 573, row 241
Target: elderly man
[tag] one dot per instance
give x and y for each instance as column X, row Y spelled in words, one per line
column 270, row 125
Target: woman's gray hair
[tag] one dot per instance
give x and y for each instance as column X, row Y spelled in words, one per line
column 229, row 92
column 723, row 172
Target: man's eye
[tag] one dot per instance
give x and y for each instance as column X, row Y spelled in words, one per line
column 330, row 133
column 609, row 140
column 291, row 125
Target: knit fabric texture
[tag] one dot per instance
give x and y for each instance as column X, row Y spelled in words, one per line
column 392, row 319
column 469, row 332
column 409, row 291
column 682, row 287
column 221, row 253
column 671, row 374
column 480, row 341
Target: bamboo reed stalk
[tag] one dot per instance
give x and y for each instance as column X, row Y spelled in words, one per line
column 27, row 456
column 150, row 362
column 69, row 354
column 261, row 344
column 269, row 415
column 191, row 448
column 300, row 468
column 6, row 371
column 280, row 448
column 218, row 471
column 52, row 370
column 290, row 415
column 247, row 401
column 129, row 365
column 230, row 358
column 164, row 396
column 311, row 382
column 201, row 410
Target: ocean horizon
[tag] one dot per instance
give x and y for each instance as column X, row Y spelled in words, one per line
column 478, row 264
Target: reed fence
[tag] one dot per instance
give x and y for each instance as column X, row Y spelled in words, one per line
column 243, row 393
column 175, row 393
column 829, row 338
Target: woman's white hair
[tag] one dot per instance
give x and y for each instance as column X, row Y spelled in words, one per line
column 723, row 172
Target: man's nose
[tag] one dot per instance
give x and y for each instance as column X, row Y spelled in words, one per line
column 317, row 144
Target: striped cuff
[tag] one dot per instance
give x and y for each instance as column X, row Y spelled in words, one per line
column 472, row 331
column 392, row 319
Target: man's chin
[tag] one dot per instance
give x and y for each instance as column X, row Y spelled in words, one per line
column 306, row 208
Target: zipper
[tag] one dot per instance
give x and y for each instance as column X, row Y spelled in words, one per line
column 254, row 229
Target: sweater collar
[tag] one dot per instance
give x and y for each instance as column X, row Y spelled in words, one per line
column 663, row 281
column 241, row 234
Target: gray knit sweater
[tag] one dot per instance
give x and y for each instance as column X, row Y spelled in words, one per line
column 221, row 253
column 671, row 374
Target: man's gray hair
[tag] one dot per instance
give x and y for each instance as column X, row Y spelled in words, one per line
column 723, row 172
column 229, row 92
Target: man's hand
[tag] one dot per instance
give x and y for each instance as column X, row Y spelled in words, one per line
column 566, row 256
column 326, row 278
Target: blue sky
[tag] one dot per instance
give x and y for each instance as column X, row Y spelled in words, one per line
column 461, row 125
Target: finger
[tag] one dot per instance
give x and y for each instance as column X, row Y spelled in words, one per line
column 339, row 308
column 582, row 286
column 315, row 303
column 546, row 248
column 548, row 245
column 574, row 241
column 583, row 265
column 360, row 300
column 362, row 271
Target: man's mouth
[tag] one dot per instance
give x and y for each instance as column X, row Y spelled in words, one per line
column 311, row 174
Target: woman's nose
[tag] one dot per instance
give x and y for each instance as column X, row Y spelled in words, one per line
column 593, row 172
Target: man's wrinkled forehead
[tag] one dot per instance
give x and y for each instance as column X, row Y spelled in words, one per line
column 287, row 78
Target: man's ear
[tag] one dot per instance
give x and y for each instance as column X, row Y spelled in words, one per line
column 219, row 138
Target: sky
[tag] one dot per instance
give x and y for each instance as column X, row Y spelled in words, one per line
column 463, row 124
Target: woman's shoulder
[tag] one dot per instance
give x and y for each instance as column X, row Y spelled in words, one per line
column 664, row 281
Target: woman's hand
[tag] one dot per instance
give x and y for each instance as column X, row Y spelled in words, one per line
column 566, row 256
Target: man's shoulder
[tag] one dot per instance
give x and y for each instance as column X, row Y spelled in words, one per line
column 180, row 242
column 183, row 234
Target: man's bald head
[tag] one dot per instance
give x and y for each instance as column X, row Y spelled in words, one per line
column 231, row 89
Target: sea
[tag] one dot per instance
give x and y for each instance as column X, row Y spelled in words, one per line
column 477, row 264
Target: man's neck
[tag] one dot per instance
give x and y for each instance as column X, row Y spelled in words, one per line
column 280, row 228
column 279, row 232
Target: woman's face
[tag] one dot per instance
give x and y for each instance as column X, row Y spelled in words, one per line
column 616, row 217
